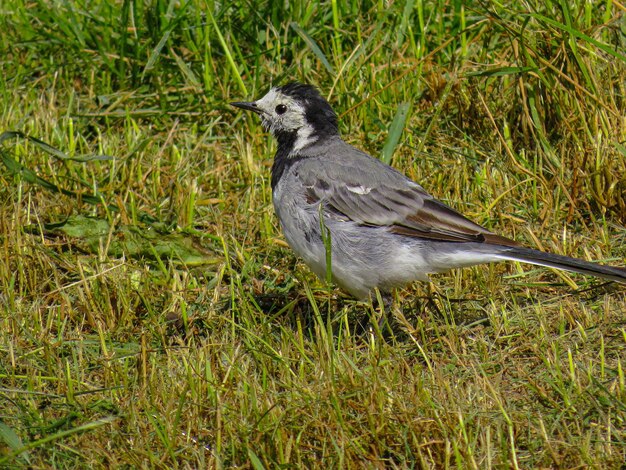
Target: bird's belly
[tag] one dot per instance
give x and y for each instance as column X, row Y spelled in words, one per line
column 361, row 258
column 302, row 231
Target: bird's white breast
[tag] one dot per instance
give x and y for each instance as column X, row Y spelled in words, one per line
column 300, row 223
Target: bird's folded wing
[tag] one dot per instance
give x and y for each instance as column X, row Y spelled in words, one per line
column 401, row 205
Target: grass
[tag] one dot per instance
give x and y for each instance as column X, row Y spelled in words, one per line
column 152, row 314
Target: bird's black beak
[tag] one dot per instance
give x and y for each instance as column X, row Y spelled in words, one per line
column 249, row 106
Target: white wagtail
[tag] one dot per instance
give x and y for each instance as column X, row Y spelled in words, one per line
column 385, row 230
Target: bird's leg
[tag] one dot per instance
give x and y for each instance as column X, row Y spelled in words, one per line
column 384, row 301
column 431, row 295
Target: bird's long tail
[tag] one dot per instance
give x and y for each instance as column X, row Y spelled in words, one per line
column 528, row 255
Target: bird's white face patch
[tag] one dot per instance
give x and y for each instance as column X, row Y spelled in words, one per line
column 360, row 189
column 281, row 113
column 304, row 137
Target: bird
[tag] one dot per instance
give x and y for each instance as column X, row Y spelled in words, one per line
column 374, row 226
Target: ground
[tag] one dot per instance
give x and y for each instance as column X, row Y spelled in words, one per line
column 152, row 314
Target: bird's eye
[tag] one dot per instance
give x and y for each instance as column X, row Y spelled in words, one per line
column 281, row 108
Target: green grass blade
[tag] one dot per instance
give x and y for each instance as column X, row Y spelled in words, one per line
column 54, row 437
column 404, row 22
column 395, row 132
column 501, row 71
column 313, row 46
column 155, row 54
column 580, row 35
column 187, row 72
column 255, row 460
column 16, row 168
column 13, row 441
column 227, row 52
column 50, row 149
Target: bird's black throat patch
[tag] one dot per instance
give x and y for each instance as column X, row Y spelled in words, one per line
column 283, row 158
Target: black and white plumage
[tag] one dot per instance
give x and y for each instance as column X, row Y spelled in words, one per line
column 385, row 230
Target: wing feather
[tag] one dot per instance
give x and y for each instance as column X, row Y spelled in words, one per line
column 397, row 203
